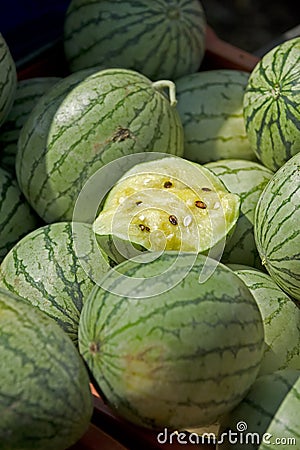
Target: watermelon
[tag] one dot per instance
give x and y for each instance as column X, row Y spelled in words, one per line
column 281, row 319
column 247, row 179
column 236, row 267
column 277, row 227
column 161, row 38
column 171, row 339
column 271, row 105
column 210, row 105
column 8, row 80
column 27, row 94
column 168, row 204
column 45, row 398
column 54, row 268
column 267, row 418
column 76, row 130
column 16, row 216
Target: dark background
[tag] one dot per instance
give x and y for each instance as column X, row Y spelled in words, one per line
column 248, row 24
column 251, row 24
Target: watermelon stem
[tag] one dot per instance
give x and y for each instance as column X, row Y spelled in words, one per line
column 162, row 84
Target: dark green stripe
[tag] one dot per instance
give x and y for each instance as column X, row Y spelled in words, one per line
column 268, row 201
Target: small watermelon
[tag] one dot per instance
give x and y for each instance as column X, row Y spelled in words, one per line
column 76, row 129
column 210, row 105
column 27, row 94
column 16, row 216
column 54, row 268
column 45, row 398
column 271, row 105
column 159, row 38
column 8, row 80
column 281, row 319
column 247, row 179
column 172, row 340
column 267, row 418
column 277, row 227
column 168, row 204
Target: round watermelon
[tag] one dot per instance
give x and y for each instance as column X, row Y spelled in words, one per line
column 78, row 127
column 247, row 179
column 281, row 319
column 54, row 268
column 210, row 105
column 45, row 397
column 167, row 204
column 271, row 105
column 16, row 216
column 159, row 38
column 171, row 339
column 277, row 227
column 267, row 418
column 27, row 94
column 8, row 80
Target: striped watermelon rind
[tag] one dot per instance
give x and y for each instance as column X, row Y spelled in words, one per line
column 277, row 227
column 32, row 142
column 281, row 318
column 271, row 105
column 27, row 94
column 268, row 416
column 166, row 349
column 159, row 39
column 247, row 179
column 63, row 143
column 16, row 216
column 210, row 105
column 53, row 268
column 45, row 397
column 8, row 80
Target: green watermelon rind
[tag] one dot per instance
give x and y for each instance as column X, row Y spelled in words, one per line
column 178, row 358
column 281, row 318
column 267, row 418
column 45, row 397
column 160, row 40
column 16, row 216
column 53, row 268
column 8, row 80
column 70, row 144
column 276, row 227
column 246, row 179
column 210, row 105
column 271, row 105
column 28, row 92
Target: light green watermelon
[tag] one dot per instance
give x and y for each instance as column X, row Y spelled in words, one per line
column 8, row 80
column 267, row 418
column 247, row 179
column 271, row 105
column 159, row 38
column 54, row 268
column 166, row 204
column 172, row 339
column 277, row 227
column 27, row 94
column 210, row 105
column 281, row 319
column 16, row 216
column 77, row 129
column 45, row 398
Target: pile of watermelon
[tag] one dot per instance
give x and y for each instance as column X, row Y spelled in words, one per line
column 150, row 235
